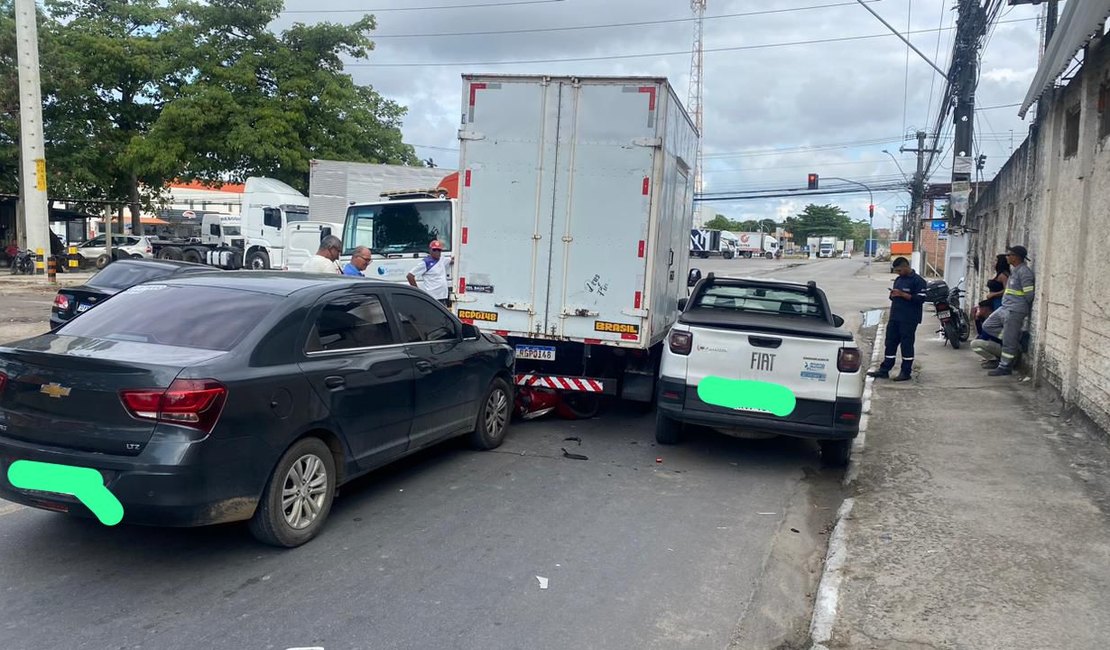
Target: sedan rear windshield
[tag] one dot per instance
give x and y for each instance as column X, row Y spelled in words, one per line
column 121, row 276
column 760, row 300
column 207, row 318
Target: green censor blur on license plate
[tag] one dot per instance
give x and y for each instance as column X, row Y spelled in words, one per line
column 84, row 483
column 747, row 395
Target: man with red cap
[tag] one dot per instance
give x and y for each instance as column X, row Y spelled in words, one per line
column 431, row 274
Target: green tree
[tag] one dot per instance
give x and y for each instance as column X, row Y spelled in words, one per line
column 721, row 222
column 820, row 221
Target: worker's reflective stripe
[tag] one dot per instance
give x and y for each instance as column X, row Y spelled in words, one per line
column 1028, row 289
column 1014, row 292
column 1007, row 355
column 907, row 358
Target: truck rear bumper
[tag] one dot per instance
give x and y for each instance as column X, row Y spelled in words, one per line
column 837, row 420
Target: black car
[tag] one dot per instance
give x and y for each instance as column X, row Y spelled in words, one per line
column 246, row 396
column 115, row 277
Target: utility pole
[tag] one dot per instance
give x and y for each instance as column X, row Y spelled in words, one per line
column 35, row 215
column 970, row 26
column 917, row 201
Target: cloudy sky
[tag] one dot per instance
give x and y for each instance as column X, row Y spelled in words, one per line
column 776, row 107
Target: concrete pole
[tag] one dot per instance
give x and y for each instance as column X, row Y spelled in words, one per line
column 36, row 215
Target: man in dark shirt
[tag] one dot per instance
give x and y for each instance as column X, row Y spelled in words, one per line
column 906, row 300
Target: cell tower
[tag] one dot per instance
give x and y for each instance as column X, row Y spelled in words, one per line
column 693, row 102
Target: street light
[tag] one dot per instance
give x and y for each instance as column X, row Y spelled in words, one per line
column 871, row 220
column 904, row 177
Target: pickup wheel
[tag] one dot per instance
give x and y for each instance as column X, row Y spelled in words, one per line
column 836, row 453
column 192, row 255
column 298, row 496
column 170, row 253
column 667, row 431
column 258, row 261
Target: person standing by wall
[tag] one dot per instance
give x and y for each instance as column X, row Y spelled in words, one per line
column 906, row 300
column 431, row 274
column 1017, row 303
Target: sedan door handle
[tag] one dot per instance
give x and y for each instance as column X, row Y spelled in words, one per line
column 423, row 366
column 334, row 381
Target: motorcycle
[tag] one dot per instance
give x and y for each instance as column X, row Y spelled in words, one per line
column 954, row 323
column 23, row 263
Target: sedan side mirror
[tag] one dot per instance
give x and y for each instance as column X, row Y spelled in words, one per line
column 693, row 277
column 838, row 321
column 682, row 303
column 470, row 331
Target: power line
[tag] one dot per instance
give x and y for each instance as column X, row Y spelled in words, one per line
column 641, row 23
column 613, row 57
column 385, row 9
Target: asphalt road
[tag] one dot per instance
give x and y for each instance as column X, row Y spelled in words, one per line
column 712, row 543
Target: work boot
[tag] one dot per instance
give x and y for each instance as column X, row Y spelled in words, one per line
column 879, row 374
column 903, row 377
column 1000, row 371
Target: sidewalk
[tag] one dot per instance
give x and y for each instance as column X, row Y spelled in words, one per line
column 978, row 520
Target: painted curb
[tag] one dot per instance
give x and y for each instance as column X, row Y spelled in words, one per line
column 828, row 592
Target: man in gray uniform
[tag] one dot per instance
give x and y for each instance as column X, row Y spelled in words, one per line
column 1017, row 303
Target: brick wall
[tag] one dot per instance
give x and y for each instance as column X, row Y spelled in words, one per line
column 1053, row 197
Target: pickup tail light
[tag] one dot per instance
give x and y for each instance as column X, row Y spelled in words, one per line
column 61, row 302
column 680, row 342
column 849, row 360
column 195, row 403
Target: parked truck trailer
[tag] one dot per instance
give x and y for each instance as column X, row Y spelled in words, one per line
column 575, row 218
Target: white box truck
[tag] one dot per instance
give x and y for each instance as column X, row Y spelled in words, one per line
column 335, row 185
column 757, row 244
column 575, row 209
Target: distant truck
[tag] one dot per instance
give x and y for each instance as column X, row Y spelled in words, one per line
column 870, row 247
column 757, row 244
column 272, row 232
column 705, row 243
column 826, row 247
column 334, row 186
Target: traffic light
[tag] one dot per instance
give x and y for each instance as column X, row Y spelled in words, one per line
column 871, row 211
column 812, row 181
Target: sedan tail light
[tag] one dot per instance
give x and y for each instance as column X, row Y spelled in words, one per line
column 849, row 360
column 195, row 403
column 3, row 382
column 681, row 342
column 61, row 302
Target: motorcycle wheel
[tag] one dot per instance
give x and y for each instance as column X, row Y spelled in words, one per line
column 952, row 335
column 965, row 328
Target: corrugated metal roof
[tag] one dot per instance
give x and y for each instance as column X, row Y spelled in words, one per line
column 1081, row 21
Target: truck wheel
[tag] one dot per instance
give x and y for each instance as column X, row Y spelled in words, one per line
column 298, row 496
column 170, row 253
column 667, row 431
column 103, row 260
column 727, row 255
column 493, row 417
column 769, row 255
column 192, row 255
column 578, row 406
column 258, row 261
column 836, row 453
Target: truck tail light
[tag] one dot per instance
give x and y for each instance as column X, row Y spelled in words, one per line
column 681, row 342
column 61, row 302
column 849, row 360
column 195, row 403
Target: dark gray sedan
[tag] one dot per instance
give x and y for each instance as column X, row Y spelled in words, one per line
column 246, row 396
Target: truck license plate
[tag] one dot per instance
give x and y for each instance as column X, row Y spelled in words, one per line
column 944, row 314
column 535, row 352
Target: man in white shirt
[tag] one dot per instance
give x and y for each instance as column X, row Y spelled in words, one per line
column 431, row 274
column 324, row 261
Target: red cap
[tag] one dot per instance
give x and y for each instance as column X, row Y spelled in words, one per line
column 435, row 245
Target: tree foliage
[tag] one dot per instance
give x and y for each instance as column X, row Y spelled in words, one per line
column 138, row 92
column 820, row 221
column 721, row 222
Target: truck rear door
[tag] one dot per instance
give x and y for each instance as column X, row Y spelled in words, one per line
column 557, row 190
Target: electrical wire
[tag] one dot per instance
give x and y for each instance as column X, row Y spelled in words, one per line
column 476, row 5
column 613, row 57
column 641, row 23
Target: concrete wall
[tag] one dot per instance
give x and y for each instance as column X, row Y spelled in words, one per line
column 1055, row 200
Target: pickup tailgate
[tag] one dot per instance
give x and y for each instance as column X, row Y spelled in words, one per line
column 805, row 365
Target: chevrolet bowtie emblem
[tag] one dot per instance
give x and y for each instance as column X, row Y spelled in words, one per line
column 55, row 390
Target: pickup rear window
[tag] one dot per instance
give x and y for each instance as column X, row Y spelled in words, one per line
column 760, row 300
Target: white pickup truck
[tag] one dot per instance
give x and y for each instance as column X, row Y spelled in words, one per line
column 761, row 356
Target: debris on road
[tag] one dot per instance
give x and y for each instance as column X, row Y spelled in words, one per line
column 573, row 439
column 543, row 582
column 571, row 456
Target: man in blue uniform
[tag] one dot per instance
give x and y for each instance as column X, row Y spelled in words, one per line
column 906, row 300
